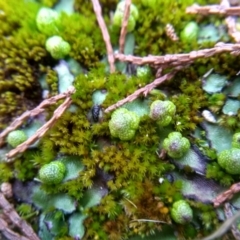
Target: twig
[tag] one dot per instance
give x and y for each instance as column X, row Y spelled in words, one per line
column 227, row 195
column 213, row 9
column 9, row 212
column 8, row 233
column 231, row 23
column 98, row 11
column 232, row 31
column 124, row 25
column 224, row 227
column 41, row 131
column 36, row 111
column 144, row 90
column 172, row 60
column 229, row 214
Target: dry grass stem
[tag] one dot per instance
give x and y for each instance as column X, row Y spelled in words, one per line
column 232, row 30
column 8, row 233
column 41, row 131
column 172, row 60
column 34, row 112
column 213, row 9
column 10, row 212
column 229, row 214
column 223, row 228
column 124, row 25
column 98, row 11
column 227, row 195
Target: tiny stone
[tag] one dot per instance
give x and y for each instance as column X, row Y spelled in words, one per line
column 208, row 116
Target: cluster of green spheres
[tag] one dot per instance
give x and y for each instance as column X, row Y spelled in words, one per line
column 123, row 124
column 162, row 112
column 181, row 212
column 176, row 145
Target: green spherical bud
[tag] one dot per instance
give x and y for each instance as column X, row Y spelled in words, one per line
column 190, row 32
column 57, row 47
column 181, row 212
column 52, row 173
column 118, row 18
column 236, row 140
column 123, row 124
column 16, row 137
column 176, row 145
column 47, row 21
column 162, row 111
column 230, row 160
column 133, row 9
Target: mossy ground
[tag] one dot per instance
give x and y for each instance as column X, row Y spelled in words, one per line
column 130, row 171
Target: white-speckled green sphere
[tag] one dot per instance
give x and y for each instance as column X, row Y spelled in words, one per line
column 181, row 212
column 230, row 160
column 16, row 137
column 52, row 173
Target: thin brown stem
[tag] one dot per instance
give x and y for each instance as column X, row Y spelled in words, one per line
column 34, row 112
column 172, row 60
column 227, row 195
column 144, row 90
column 124, row 25
column 8, row 233
column 41, row 131
column 98, row 11
column 213, row 9
column 10, row 212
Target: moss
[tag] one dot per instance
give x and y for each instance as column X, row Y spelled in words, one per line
column 6, row 172
column 9, row 107
column 22, row 48
column 230, row 122
column 24, row 57
column 129, row 172
column 48, row 3
column 87, row 46
column 216, row 101
column 26, row 211
column 85, row 7
column 215, row 172
column 51, row 80
column 188, row 103
column 153, row 40
column 23, row 168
